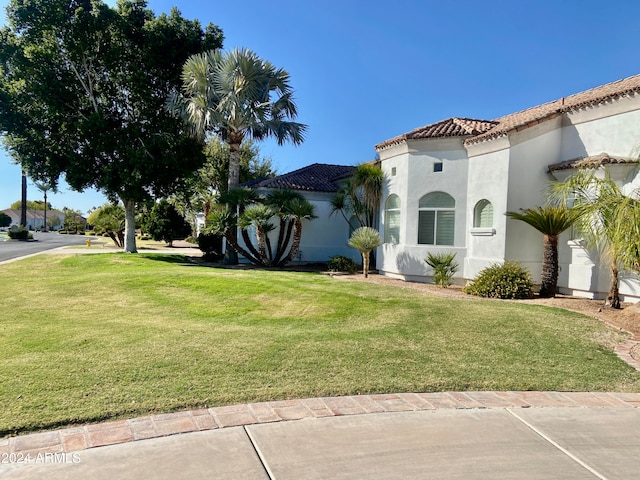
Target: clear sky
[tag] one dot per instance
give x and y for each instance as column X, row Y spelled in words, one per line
column 365, row 71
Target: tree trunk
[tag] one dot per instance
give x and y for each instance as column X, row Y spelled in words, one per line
column 230, row 255
column 365, row 264
column 549, row 275
column 231, row 242
column 295, row 246
column 613, row 299
column 23, row 213
column 129, row 226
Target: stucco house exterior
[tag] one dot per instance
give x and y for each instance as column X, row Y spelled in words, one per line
column 451, row 182
column 325, row 236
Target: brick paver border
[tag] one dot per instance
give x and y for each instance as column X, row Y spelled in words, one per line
column 152, row 426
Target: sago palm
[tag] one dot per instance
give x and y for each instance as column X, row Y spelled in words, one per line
column 551, row 221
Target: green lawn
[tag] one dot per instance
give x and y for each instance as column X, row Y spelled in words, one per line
column 92, row 337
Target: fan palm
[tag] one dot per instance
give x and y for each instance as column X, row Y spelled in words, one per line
column 237, row 96
column 609, row 221
column 551, row 221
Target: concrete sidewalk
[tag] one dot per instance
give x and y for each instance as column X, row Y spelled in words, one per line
column 480, row 435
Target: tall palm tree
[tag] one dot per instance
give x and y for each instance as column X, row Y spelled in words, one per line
column 608, row 221
column 237, row 95
column 44, row 187
column 551, row 221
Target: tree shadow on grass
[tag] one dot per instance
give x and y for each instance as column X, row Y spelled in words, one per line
column 170, row 258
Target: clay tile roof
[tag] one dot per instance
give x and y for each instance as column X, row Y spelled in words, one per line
column 531, row 116
column 451, row 127
column 591, row 162
column 318, row 177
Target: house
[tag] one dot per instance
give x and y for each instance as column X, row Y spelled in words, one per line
column 326, row 235
column 451, row 182
column 35, row 218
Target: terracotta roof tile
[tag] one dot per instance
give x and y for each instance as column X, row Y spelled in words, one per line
column 591, row 162
column 318, row 177
column 451, row 127
column 531, row 116
column 480, row 130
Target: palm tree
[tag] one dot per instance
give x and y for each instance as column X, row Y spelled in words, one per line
column 360, row 195
column 365, row 240
column 109, row 219
column 255, row 211
column 551, row 221
column 44, row 187
column 296, row 210
column 237, row 96
column 259, row 217
column 608, row 221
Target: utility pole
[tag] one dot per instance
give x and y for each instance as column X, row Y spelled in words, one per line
column 23, row 215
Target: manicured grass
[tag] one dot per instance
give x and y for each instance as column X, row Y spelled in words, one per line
column 94, row 337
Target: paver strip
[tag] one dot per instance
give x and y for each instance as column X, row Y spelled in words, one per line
column 122, row 431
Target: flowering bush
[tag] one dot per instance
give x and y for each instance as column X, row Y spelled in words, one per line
column 509, row 280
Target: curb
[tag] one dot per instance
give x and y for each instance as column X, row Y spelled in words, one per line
column 153, row 426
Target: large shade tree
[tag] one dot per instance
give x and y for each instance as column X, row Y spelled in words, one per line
column 237, row 96
column 551, row 221
column 83, row 88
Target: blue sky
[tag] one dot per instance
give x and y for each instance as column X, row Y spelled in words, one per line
column 366, row 71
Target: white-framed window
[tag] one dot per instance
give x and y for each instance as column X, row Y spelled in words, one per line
column 392, row 219
column 436, row 219
column 483, row 214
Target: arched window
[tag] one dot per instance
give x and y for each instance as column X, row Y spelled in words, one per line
column 483, row 214
column 436, row 219
column 392, row 220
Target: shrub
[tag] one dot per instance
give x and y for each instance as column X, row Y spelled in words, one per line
column 341, row 264
column 444, row 267
column 20, row 234
column 211, row 246
column 510, row 280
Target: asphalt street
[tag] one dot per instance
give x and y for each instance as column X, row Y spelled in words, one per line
column 42, row 241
